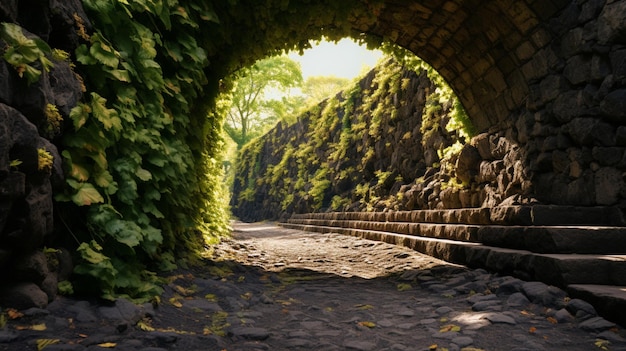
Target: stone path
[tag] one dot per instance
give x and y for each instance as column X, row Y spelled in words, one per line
column 270, row 288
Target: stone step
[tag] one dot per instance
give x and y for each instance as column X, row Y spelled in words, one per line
column 536, row 215
column 608, row 300
column 539, row 239
column 556, row 269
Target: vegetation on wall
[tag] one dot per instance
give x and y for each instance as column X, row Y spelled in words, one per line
column 251, row 106
column 142, row 151
column 337, row 156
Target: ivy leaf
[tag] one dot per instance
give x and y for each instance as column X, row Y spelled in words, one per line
column 86, row 194
column 143, row 174
column 124, row 232
column 105, row 180
column 103, row 52
column 108, row 117
column 120, row 74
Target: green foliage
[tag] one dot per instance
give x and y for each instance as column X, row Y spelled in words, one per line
column 459, row 119
column 54, row 120
column 253, row 108
column 44, row 161
column 26, row 55
column 142, row 157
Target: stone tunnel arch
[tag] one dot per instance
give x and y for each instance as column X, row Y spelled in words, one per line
column 542, row 80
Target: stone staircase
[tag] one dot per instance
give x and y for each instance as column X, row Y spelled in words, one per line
column 579, row 249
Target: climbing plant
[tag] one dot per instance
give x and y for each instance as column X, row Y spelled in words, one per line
column 142, row 150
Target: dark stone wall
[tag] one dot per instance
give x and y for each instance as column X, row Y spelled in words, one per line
column 30, row 163
column 544, row 79
column 400, row 159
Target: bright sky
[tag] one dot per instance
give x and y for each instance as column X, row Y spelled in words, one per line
column 344, row 59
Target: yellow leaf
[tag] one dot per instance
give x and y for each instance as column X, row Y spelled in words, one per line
column 108, row 345
column 364, row 307
column 404, row 287
column 367, row 324
column 38, row 327
column 42, row 343
column 432, row 347
column 246, row 296
column 144, row 325
column 175, row 302
column 449, row 328
column 602, row 344
column 211, row 297
column 184, row 291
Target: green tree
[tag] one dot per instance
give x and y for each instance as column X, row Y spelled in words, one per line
column 318, row 88
column 256, row 101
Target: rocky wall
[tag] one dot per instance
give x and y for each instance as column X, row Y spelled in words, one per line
column 31, row 118
column 571, row 135
column 388, row 143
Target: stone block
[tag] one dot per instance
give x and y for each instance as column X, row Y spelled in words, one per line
column 578, row 70
column 23, row 296
column 614, row 105
column 572, row 42
column 618, row 63
column 607, row 156
column 551, row 87
column 600, row 68
column 608, row 183
column 590, row 131
column 612, row 23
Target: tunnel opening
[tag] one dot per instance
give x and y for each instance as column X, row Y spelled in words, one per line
column 390, row 140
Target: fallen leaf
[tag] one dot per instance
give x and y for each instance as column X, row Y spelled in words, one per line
column 432, row 347
column 443, row 320
column 42, row 343
column 174, row 301
column 39, row 327
column 552, row 320
column 36, row 327
column 184, row 291
column 449, row 328
column 532, row 330
column 83, row 335
column 602, row 344
column 144, row 325
column 367, row 324
column 107, row 345
column 211, row 297
column 14, row 314
column 404, row 287
column 246, row 296
column 364, row 307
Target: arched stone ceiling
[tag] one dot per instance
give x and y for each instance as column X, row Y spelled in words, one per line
column 480, row 47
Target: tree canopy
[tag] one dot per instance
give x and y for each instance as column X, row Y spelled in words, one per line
column 255, row 100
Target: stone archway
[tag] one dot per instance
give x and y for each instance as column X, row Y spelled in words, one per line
column 545, row 80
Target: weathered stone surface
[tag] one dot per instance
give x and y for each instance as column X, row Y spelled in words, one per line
column 468, row 163
column 23, row 296
column 614, row 105
column 608, row 184
column 612, row 23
